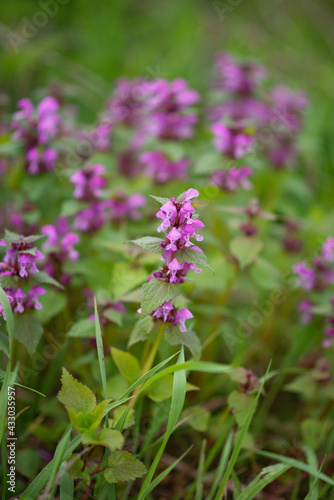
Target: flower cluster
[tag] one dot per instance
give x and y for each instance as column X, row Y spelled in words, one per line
column 16, row 268
column 274, row 115
column 59, row 248
column 158, row 110
column 180, row 225
column 36, row 129
column 89, row 183
column 317, row 278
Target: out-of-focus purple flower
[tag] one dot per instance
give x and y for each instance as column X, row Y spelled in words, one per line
column 305, row 308
column 128, row 103
column 306, row 275
column 231, row 141
column 328, row 250
column 36, row 128
column 120, row 207
column 241, row 78
column 89, row 182
column 168, row 113
column 288, row 106
column 59, row 242
column 233, row 178
column 161, row 169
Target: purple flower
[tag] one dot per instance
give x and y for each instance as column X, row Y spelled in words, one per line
column 161, row 169
column 233, row 178
column 328, row 249
column 47, row 119
column 231, row 141
column 173, row 267
column 173, row 236
column 240, row 78
column 305, row 308
column 167, row 212
column 59, row 241
column 306, row 275
column 33, row 294
column 163, row 311
column 181, row 317
column 89, row 182
column 19, row 297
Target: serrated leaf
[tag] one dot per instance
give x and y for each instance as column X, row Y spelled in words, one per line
column 42, row 277
column 156, row 292
column 197, row 417
column 30, row 251
column 189, row 339
column 245, row 249
column 11, row 237
column 109, row 438
column 8, row 281
column 193, row 256
column 125, row 278
column 127, row 364
column 123, row 467
column 28, row 330
column 88, row 421
column 74, row 395
column 83, row 329
column 141, row 330
column 75, row 471
column 149, row 243
column 159, row 199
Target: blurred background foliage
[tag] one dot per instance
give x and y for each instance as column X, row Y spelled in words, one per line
column 86, row 45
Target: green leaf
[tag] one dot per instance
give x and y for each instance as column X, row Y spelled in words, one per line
column 42, row 277
column 4, row 344
column 141, row 330
column 8, row 281
column 159, row 199
column 197, row 417
column 83, row 329
column 265, row 477
column 28, row 462
column 75, row 471
column 53, row 303
column 162, row 389
column 109, row 438
column 28, row 330
column 174, row 337
column 313, row 432
column 149, row 243
column 127, row 364
column 88, row 421
column 114, row 316
column 123, row 467
column 239, row 403
column 193, row 256
column 245, row 249
column 156, row 292
column 265, row 274
column 125, row 278
column 75, row 395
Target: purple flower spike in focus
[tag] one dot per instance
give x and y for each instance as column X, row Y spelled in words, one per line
column 169, row 314
column 181, row 317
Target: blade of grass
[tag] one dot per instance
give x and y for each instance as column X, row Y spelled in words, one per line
column 265, row 477
column 40, row 481
column 200, row 471
column 58, row 459
column 66, row 487
column 165, row 473
column 221, row 466
column 292, row 462
column 178, row 397
column 312, row 460
column 4, row 389
column 239, row 442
